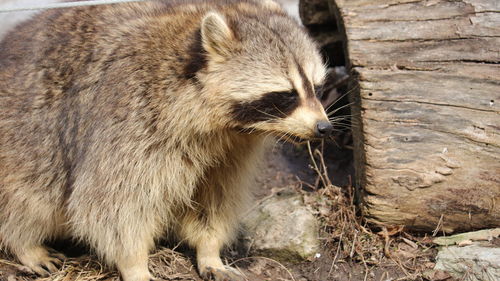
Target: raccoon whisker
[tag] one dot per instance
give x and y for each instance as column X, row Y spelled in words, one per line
column 266, row 113
column 295, row 119
column 283, row 135
column 334, row 141
column 274, row 116
column 340, row 120
column 342, row 117
column 344, row 122
column 267, row 135
column 346, row 126
column 342, row 96
column 339, row 108
column 340, row 123
column 252, row 130
column 339, row 129
column 281, row 111
column 345, row 115
column 245, row 131
column 278, row 140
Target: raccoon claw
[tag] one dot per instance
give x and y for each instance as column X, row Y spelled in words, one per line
column 50, row 267
column 40, row 271
column 24, row 269
column 56, row 256
column 44, row 269
column 40, row 261
column 226, row 274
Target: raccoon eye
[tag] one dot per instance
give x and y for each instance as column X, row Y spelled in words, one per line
column 272, row 105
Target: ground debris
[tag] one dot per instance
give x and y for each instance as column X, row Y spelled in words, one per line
column 378, row 252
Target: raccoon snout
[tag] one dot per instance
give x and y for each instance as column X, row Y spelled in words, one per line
column 323, row 129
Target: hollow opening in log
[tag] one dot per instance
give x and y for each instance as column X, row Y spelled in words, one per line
column 321, row 18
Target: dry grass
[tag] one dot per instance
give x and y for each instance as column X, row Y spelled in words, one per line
column 165, row 264
column 352, row 241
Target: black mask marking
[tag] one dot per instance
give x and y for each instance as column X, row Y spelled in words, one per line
column 272, row 105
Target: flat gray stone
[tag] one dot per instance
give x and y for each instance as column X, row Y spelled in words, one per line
column 480, row 235
column 282, row 227
column 477, row 262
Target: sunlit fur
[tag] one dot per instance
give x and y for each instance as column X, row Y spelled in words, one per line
column 117, row 125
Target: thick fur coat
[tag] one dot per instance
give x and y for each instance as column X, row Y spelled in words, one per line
column 120, row 123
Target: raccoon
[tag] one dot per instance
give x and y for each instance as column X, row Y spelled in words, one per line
column 122, row 123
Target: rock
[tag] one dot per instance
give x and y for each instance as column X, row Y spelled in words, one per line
column 477, row 262
column 283, row 228
column 481, row 235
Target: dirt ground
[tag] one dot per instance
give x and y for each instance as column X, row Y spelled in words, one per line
column 350, row 251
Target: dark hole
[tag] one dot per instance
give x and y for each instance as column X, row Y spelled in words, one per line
column 334, row 54
column 317, row 29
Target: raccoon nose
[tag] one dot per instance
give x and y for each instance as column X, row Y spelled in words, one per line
column 323, row 129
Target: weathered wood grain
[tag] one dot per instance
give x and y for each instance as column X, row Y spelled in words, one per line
column 427, row 99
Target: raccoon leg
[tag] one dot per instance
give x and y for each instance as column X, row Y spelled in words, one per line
column 134, row 267
column 213, row 224
column 121, row 241
column 120, row 229
column 210, row 264
column 27, row 219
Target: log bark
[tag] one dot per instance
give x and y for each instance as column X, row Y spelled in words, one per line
column 426, row 86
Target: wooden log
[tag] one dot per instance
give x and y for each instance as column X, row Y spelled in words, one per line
column 426, row 86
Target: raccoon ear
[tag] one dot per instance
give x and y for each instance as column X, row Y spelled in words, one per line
column 217, row 38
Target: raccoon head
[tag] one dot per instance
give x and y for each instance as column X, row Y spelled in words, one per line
column 266, row 69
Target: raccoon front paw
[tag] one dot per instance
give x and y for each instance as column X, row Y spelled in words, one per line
column 39, row 260
column 226, row 273
column 136, row 273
